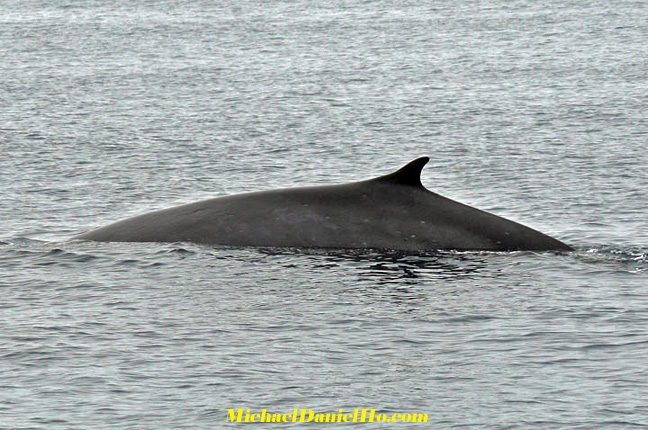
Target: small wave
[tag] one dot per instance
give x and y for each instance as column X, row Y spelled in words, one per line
column 632, row 259
column 468, row 319
column 612, row 345
column 21, row 241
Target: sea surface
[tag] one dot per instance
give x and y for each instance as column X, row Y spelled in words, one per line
column 535, row 111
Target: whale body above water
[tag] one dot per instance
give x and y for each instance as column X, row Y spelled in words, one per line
column 394, row 212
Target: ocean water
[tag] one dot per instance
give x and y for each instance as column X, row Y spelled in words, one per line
column 535, row 111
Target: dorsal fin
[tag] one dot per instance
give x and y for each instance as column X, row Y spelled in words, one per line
column 409, row 174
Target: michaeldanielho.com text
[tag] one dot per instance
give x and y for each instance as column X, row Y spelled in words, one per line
column 308, row 415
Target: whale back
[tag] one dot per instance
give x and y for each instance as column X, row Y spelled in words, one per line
column 393, row 211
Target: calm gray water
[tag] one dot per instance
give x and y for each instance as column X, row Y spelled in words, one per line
column 535, row 111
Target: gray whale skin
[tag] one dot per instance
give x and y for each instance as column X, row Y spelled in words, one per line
column 392, row 212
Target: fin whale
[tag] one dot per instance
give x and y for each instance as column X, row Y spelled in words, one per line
column 393, row 212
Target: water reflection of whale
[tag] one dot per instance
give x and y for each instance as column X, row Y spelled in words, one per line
column 391, row 266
